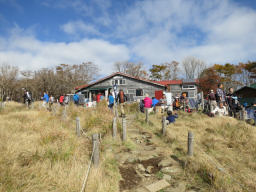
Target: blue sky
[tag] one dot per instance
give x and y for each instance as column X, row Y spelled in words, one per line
column 44, row 33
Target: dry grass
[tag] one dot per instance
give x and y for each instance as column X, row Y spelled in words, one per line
column 224, row 150
column 40, row 152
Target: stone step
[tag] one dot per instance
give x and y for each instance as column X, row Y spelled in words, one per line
column 157, row 186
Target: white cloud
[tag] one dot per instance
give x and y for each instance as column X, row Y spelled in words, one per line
column 27, row 52
column 215, row 31
column 77, row 27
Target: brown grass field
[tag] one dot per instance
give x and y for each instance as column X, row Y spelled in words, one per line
column 39, row 150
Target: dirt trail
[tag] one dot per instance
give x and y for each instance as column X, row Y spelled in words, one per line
column 149, row 161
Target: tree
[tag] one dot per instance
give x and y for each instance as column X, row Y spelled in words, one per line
column 208, row 80
column 165, row 71
column 133, row 69
column 193, row 67
column 228, row 73
column 8, row 79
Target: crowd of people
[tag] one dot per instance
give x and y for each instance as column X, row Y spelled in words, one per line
column 217, row 103
column 221, row 103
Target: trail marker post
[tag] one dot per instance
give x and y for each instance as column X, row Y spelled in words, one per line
column 78, row 126
column 190, row 143
column 124, row 129
column 95, row 149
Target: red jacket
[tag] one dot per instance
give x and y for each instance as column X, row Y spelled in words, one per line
column 98, row 98
column 61, row 99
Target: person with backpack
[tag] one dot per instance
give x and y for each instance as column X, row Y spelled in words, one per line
column 212, row 101
column 45, row 100
column 76, row 98
column 148, row 103
column 121, row 99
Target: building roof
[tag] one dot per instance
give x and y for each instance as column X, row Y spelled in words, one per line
column 169, row 82
column 115, row 74
column 177, row 82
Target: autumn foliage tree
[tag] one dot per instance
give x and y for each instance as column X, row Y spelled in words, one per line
column 208, row 80
column 165, row 71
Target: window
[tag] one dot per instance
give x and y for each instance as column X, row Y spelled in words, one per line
column 118, row 82
column 139, row 92
column 122, row 82
column 188, row 86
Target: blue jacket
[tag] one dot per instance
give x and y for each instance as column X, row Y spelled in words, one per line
column 46, row 97
column 171, row 118
column 110, row 99
column 75, row 97
column 154, row 102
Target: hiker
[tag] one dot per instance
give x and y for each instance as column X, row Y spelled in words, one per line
column 45, row 100
column 154, row 101
column 232, row 102
column 148, row 103
column 51, row 101
column 212, row 100
column 220, row 95
column 221, row 110
column 163, row 103
column 61, row 100
column 176, row 104
column 111, row 101
column 170, row 117
column 98, row 97
column 121, row 99
column 66, row 99
column 27, row 98
column 76, row 98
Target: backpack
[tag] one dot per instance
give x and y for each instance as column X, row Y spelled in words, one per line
column 121, row 97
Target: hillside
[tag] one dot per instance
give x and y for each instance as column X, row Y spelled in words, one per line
column 39, row 151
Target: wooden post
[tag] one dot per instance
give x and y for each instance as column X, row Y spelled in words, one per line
column 190, row 143
column 124, row 128
column 96, row 152
column 146, row 111
column 163, row 125
column 114, row 127
column 78, row 126
column 116, row 111
column 202, row 98
column 64, row 114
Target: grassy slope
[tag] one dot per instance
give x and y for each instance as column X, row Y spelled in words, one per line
column 40, row 152
column 224, row 150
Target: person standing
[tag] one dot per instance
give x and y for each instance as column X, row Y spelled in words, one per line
column 148, row 103
column 45, row 100
column 212, row 101
column 51, row 101
column 121, row 99
column 232, row 102
column 61, row 100
column 76, row 98
column 220, row 95
column 110, row 101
